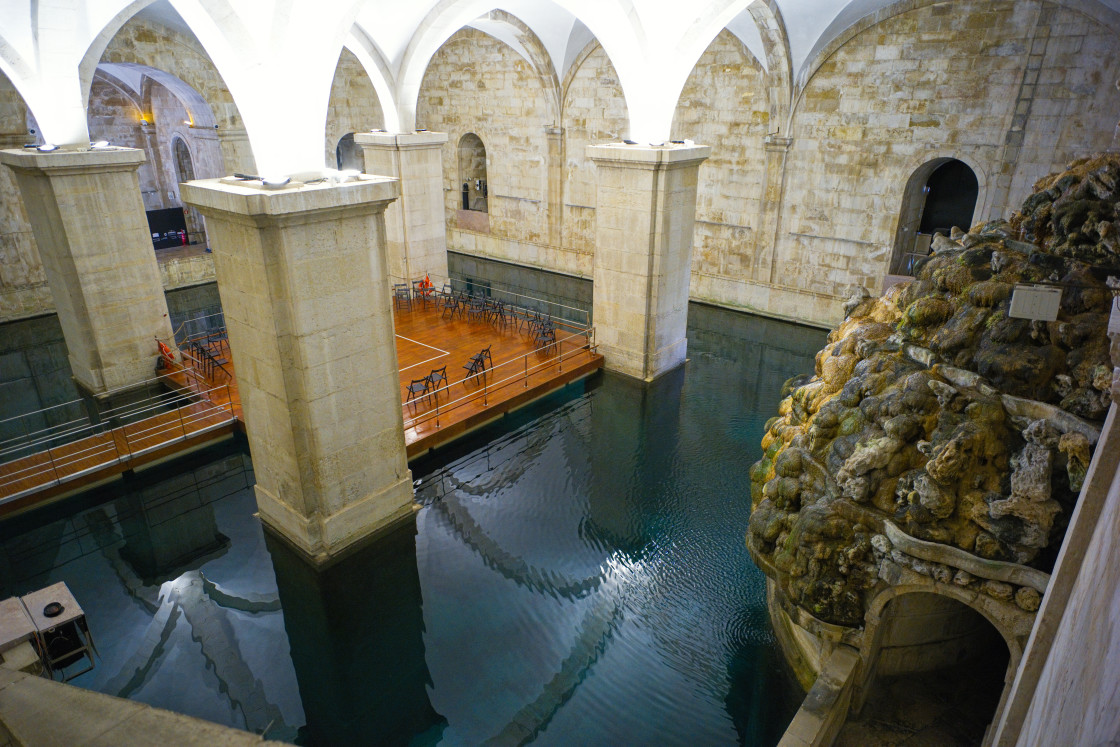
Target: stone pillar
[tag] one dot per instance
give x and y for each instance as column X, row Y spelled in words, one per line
column 645, row 210
column 415, row 227
column 89, row 224
column 301, row 272
column 770, row 210
column 556, row 161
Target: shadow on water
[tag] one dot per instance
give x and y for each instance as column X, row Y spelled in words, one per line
column 355, row 631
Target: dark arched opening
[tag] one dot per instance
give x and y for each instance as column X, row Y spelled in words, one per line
column 472, row 173
column 939, row 196
column 939, row 670
column 184, row 166
column 348, row 154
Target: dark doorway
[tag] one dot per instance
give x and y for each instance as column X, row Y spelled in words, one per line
column 950, row 198
column 939, row 195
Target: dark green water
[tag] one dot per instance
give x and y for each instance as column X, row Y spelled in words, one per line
column 576, row 575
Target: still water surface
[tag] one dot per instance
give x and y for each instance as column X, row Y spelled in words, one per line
column 576, row 575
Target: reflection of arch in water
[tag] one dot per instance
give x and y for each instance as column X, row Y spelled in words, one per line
column 940, row 194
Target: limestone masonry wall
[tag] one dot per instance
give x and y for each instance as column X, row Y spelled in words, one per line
column 353, row 106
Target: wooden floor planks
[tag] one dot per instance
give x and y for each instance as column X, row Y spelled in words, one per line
column 426, row 340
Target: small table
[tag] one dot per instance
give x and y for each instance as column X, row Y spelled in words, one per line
column 15, row 624
column 63, row 637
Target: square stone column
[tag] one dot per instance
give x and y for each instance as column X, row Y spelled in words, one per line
column 415, row 226
column 302, row 275
column 644, row 215
column 89, row 223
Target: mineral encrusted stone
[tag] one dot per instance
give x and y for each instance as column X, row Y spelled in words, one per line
column 933, row 409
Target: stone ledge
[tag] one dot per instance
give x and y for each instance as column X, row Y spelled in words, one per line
column 218, row 195
column 648, row 156
column 35, row 711
column 112, row 158
column 402, row 140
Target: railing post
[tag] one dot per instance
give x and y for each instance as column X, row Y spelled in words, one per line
column 560, row 345
column 54, row 469
column 526, row 359
column 182, row 424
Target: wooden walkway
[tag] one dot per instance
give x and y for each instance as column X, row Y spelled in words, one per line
column 426, row 340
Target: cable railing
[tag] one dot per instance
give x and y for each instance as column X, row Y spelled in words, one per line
column 126, row 434
column 199, row 327
column 572, row 315
column 514, row 370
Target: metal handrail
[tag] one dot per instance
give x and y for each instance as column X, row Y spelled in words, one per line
column 197, row 413
column 588, row 335
column 438, row 281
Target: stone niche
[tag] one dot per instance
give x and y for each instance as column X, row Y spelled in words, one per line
column 941, row 443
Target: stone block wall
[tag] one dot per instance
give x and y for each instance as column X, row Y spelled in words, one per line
column 353, row 107
column 476, row 84
column 1013, row 89
column 23, row 285
column 942, row 80
column 724, row 105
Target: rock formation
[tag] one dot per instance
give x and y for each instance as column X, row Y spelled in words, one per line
column 936, row 420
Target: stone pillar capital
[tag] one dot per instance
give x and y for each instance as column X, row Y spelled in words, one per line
column 400, row 140
column 228, row 197
column 64, row 162
column 648, row 157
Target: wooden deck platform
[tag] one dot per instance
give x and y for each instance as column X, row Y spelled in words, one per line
column 426, row 340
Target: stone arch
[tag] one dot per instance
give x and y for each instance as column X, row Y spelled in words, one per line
column 184, row 164
column 843, row 28
column 472, row 173
column 1012, row 625
column 354, row 105
column 615, row 25
column 916, row 200
column 348, row 154
column 179, row 62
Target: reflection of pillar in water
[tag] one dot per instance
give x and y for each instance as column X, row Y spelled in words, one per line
column 635, row 429
column 355, row 631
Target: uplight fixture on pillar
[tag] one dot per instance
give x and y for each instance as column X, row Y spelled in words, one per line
column 46, row 147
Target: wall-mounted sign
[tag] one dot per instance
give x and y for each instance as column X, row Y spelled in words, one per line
column 1038, row 302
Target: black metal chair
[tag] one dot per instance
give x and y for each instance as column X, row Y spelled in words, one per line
column 437, row 380
column 545, row 336
column 477, row 310
column 418, row 388
column 402, row 296
column 477, row 365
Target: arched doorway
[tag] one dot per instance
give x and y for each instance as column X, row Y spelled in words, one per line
column 348, row 154
column 472, row 173
column 184, row 172
column 939, row 668
column 939, row 195
column 184, row 167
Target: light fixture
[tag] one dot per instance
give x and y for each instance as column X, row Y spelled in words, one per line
column 630, row 142
column 99, row 145
column 188, row 123
column 275, row 182
column 350, row 174
column 47, row 147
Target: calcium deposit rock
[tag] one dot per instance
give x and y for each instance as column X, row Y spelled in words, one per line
column 933, row 410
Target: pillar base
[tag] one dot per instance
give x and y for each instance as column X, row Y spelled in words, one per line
column 322, row 542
